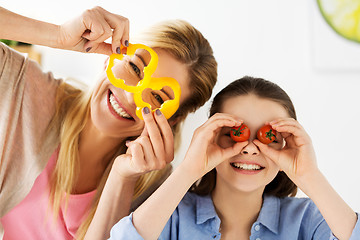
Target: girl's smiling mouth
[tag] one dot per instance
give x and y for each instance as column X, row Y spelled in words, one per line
column 116, row 108
column 246, row 168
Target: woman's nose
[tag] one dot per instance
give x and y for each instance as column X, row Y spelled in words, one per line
column 250, row 149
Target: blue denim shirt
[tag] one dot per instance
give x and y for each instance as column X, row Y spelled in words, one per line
column 279, row 219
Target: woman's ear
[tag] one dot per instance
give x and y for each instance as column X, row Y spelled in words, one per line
column 173, row 121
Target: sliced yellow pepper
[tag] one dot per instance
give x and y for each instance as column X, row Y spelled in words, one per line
column 148, row 70
column 169, row 107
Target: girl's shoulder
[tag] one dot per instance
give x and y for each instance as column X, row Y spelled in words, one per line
column 298, row 210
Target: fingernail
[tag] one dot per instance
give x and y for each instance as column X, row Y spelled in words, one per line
column 146, row 110
column 158, row 112
column 126, row 43
column 118, row 50
column 88, row 49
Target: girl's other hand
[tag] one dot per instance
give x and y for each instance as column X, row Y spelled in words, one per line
column 204, row 153
column 297, row 158
column 152, row 150
column 88, row 32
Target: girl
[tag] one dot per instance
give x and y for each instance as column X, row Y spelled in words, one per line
column 59, row 144
column 246, row 188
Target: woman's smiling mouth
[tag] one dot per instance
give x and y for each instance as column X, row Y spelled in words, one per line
column 116, row 109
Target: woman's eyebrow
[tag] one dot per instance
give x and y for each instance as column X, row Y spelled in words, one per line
column 141, row 58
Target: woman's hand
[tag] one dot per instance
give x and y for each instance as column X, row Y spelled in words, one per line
column 297, row 158
column 152, row 150
column 88, row 32
column 204, row 153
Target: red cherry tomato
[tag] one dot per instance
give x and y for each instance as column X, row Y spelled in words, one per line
column 266, row 134
column 240, row 134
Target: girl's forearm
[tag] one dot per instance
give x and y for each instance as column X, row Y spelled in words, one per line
column 161, row 204
column 24, row 29
column 337, row 214
column 114, row 204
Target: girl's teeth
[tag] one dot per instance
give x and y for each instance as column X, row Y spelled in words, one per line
column 117, row 108
column 245, row 166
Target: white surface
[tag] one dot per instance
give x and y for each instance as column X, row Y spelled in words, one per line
column 283, row 41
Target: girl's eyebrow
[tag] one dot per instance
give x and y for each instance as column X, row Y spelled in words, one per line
column 141, row 58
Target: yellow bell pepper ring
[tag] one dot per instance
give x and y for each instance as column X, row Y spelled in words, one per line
column 148, row 70
column 169, row 107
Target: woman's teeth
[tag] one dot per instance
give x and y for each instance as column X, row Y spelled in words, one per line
column 245, row 166
column 117, row 108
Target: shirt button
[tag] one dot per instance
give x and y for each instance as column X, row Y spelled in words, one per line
column 258, row 239
column 257, row 228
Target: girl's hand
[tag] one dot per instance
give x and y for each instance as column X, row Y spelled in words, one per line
column 204, row 153
column 152, row 150
column 297, row 158
column 88, row 32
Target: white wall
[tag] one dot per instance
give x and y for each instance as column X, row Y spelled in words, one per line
column 284, row 41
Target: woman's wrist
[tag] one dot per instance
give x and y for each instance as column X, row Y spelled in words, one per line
column 116, row 178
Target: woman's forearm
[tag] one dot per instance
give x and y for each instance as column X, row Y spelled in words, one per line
column 337, row 214
column 24, row 29
column 114, row 204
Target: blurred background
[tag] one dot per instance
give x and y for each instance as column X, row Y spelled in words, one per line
column 285, row 41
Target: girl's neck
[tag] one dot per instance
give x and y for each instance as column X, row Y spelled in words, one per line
column 237, row 211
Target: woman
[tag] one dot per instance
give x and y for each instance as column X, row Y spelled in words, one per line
column 59, row 144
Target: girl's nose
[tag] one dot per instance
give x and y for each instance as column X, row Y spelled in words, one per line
column 250, row 149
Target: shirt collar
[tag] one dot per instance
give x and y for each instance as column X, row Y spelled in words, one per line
column 270, row 213
column 205, row 209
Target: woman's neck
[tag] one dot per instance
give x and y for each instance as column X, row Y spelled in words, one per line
column 237, row 211
column 95, row 153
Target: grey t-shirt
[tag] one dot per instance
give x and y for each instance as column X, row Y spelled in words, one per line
column 27, row 104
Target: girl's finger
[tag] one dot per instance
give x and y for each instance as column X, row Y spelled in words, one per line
column 268, row 151
column 234, row 150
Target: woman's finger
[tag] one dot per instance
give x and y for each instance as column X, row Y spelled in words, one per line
column 167, row 135
column 154, row 133
column 152, row 161
column 138, row 162
column 120, row 35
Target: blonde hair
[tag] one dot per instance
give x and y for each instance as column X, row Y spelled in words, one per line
column 187, row 45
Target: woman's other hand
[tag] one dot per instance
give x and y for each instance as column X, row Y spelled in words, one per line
column 88, row 32
column 152, row 150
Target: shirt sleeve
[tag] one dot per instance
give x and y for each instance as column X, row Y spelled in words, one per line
column 125, row 229
column 356, row 232
column 324, row 229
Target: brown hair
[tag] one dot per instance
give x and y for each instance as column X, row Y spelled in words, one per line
column 281, row 185
column 188, row 46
